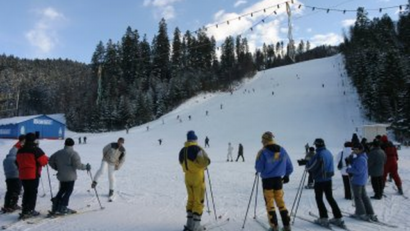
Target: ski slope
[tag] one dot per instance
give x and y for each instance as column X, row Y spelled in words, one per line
column 298, row 103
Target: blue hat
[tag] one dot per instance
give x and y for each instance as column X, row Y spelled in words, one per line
column 191, row 135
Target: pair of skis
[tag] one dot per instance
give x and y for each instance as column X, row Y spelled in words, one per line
column 381, row 223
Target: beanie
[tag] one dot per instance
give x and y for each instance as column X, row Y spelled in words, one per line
column 22, row 137
column 191, row 135
column 30, row 137
column 319, row 142
column 69, row 142
column 267, row 137
column 384, row 139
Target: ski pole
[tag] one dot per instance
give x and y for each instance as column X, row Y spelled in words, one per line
column 212, row 194
column 42, row 185
column 250, row 199
column 256, row 199
column 49, row 182
column 95, row 190
column 207, row 202
column 298, row 196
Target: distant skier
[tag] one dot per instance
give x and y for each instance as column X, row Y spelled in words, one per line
column 274, row 165
column 66, row 162
column 113, row 159
column 160, row 141
column 206, row 142
column 79, row 140
column 194, row 161
column 13, row 182
column 341, row 166
column 230, row 150
column 240, row 153
column 322, row 169
column 30, row 160
column 357, row 168
column 85, row 139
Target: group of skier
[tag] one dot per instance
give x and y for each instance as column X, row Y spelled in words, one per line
column 240, row 153
column 23, row 166
column 274, row 167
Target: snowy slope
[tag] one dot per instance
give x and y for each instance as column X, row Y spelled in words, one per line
column 298, row 103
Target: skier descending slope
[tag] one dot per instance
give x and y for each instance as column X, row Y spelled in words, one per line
column 194, row 161
column 273, row 163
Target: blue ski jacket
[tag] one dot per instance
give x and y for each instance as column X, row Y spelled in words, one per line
column 273, row 161
column 321, row 165
column 358, row 170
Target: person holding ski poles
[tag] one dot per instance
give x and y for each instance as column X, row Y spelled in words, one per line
column 66, row 162
column 113, row 159
column 322, row 169
column 274, row 165
column 194, row 162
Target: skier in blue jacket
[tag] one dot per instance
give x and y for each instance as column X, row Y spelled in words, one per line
column 358, row 170
column 322, row 169
column 274, row 165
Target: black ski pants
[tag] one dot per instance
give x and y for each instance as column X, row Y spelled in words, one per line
column 377, row 184
column 346, row 185
column 30, row 195
column 64, row 193
column 13, row 191
column 326, row 188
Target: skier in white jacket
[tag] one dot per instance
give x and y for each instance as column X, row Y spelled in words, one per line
column 230, row 150
column 341, row 165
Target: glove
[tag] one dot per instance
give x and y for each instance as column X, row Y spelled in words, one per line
column 88, row 167
column 285, row 179
column 302, row 162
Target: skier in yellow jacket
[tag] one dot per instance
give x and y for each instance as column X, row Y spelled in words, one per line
column 194, row 161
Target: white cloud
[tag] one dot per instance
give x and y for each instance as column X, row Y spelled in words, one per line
column 162, row 8
column 239, row 2
column 271, row 31
column 309, row 30
column 44, row 37
column 325, row 39
column 348, row 22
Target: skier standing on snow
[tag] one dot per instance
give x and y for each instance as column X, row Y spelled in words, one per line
column 113, row 159
column 341, row 165
column 30, row 160
column 66, row 162
column 194, row 161
column 357, row 168
column 274, row 165
column 322, row 169
column 240, row 153
column 391, row 166
column 230, row 150
column 12, row 178
column 376, row 162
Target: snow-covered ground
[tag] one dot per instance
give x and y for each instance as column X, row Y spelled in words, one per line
column 298, row 103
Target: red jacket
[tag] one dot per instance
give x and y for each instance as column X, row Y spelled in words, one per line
column 30, row 160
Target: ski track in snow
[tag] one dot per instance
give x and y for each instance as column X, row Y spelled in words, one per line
column 150, row 189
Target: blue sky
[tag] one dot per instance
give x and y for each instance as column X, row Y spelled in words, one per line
column 72, row 28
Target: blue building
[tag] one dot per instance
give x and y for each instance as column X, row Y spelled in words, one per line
column 46, row 127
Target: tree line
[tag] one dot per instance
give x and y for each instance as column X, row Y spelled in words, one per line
column 377, row 57
column 133, row 81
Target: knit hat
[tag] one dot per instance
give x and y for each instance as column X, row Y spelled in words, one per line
column 267, row 137
column 69, row 142
column 384, row 139
column 191, row 135
column 22, row 137
column 30, row 137
column 319, row 142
